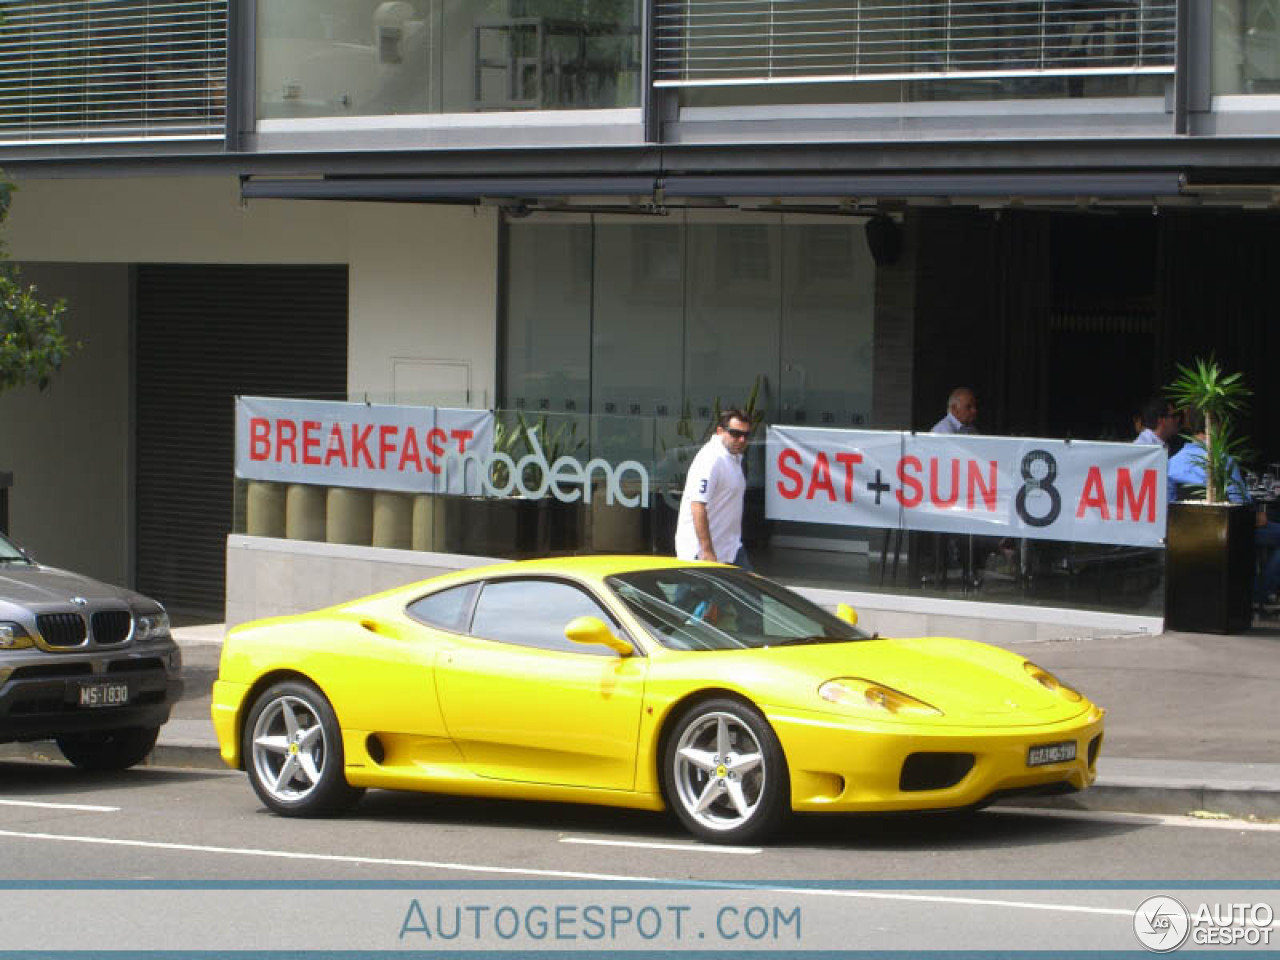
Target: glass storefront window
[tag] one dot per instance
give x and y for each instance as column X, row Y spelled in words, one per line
column 912, row 52
column 1246, row 46
column 685, row 315
column 546, row 355
column 335, row 58
column 638, row 317
column 624, row 497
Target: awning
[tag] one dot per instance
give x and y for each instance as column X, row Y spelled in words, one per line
column 443, row 189
column 688, row 186
column 929, row 185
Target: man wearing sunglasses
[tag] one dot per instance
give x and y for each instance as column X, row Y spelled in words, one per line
column 709, row 526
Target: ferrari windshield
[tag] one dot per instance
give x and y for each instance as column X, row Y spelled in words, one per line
column 709, row 608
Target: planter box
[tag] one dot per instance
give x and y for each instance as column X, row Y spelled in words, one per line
column 1209, row 568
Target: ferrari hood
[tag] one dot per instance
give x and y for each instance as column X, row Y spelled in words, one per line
column 968, row 682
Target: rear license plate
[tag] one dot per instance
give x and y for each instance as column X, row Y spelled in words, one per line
column 1038, row 756
column 103, row 694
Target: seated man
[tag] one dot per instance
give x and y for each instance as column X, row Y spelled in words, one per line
column 1186, row 468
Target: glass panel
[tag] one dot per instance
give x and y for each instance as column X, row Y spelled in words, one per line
column 726, row 43
column 733, row 306
column 547, row 355
column 534, row 613
column 638, row 321
column 445, row 609
column 828, row 316
column 710, row 609
column 1246, row 46
column 326, row 58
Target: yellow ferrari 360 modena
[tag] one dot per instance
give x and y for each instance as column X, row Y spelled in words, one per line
column 637, row 682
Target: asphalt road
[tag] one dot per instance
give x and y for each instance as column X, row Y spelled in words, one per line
column 902, row 881
column 159, row 821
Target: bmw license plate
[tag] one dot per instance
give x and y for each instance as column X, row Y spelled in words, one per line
column 103, row 694
column 1044, row 753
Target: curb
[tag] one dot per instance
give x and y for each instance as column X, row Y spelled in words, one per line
column 1255, row 803
column 1118, row 794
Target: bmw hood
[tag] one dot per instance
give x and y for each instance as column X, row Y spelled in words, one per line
column 31, row 585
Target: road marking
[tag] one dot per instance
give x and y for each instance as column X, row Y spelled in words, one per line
column 92, row 808
column 576, row 874
column 687, row 847
column 1142, row 819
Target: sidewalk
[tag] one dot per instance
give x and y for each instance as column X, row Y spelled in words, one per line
column 1193, row 721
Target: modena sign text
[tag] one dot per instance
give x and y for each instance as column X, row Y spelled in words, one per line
column 412, row 450
column 1004, row 486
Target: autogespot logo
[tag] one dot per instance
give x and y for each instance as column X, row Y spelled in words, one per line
column 1161, row 923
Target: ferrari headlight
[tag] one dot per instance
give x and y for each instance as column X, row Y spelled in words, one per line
column 152, row 626
column 1050, row 682
column 13, row 636
column 853, row 692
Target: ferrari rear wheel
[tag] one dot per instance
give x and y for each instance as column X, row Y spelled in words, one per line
column 725, row 774
column 293, row 748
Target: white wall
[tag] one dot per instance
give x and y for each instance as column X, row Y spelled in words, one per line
column 424, row 288
column 422, row 309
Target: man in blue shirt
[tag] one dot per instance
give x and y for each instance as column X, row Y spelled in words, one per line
column 1160, row 423
column 1186, row 469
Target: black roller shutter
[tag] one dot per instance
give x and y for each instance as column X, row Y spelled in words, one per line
column 204, row 335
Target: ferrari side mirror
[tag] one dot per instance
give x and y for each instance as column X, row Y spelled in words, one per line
column 594, row 631
column 847, row 614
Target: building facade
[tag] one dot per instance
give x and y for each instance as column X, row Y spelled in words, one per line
column 614, row 217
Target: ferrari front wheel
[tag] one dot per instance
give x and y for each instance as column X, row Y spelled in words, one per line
column 724, row 772
column 293, row 749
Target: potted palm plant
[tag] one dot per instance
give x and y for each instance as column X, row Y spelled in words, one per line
column 1210, row 537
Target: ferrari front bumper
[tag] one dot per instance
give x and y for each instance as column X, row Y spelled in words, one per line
column 838, row 766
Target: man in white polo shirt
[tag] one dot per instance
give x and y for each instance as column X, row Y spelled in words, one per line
column 710, row 523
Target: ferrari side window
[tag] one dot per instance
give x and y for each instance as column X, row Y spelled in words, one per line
column 534, row 613
column 446, row 609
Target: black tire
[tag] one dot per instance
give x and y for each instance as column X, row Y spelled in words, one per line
column 740, row 794
column 292, row 749
column 108, row 749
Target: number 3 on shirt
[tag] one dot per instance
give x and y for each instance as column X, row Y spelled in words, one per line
column 702, row 487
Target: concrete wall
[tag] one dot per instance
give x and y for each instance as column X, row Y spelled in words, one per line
column 268, row 577
column 68, row 445
column 423, row 278
column 422, row 324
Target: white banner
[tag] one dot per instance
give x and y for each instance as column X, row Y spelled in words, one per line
column 373, row 446
column 1023, row 487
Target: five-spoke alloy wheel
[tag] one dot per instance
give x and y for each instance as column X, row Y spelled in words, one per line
column 293, row 752
column 724, row 772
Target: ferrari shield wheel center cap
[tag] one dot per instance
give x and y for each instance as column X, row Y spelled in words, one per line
column 722, row 771
column 293, row 748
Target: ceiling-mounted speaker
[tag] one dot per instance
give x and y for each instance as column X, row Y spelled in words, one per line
column 884, row 240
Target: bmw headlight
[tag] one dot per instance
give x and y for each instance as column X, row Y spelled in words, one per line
column 151, row 626
column 13, row 636
column 1050, row 682
column 863, row 694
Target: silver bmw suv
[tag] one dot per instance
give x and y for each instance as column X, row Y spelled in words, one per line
column 89, row 665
